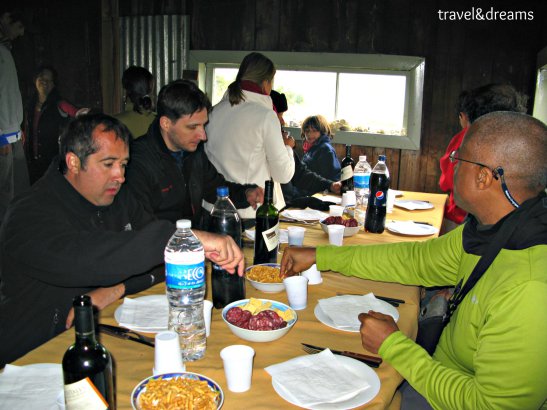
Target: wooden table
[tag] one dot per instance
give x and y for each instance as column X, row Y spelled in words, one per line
column 134, row 362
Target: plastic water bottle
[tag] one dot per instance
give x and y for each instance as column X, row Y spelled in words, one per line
column 185, row 283
column 226, row 287
column 379, row 184
column 361, row 179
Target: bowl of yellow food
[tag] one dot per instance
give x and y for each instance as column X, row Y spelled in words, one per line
column 265, row 277
column 185, row 390
column 259, row 320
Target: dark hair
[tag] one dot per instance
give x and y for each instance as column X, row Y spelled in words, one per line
column 77, row 137
column 256, row 68
column 15, row 15
column 279, row 101
column 45, row 67
column 138, row 83
column 489, row 98
column 318, row 123
column 181, row 97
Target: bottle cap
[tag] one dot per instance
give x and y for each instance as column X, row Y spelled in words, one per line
column 184, row 223
column 222, row 191
column 362, row 158
column 382, row 158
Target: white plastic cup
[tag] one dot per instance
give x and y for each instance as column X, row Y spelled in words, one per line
column 296, row 235
column 313, row 275
column 349, row 198
column 336, row 234
column 336, row 210
column 390, row 200
column 297, row 291
column 167, row 355
column 207, row 309
column 238, row 367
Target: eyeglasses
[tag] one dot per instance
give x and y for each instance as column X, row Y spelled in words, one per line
column 497, row 173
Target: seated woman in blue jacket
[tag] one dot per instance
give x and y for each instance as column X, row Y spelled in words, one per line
column 319, row 155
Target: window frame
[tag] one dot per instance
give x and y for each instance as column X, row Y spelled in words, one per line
column 412, row 67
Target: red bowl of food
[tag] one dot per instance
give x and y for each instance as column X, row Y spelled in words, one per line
column 351, row 225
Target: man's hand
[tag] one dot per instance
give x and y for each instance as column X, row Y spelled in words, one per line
column 222, row 250
column 296, row 260
column 255, row 196
column 336, row 187
column 5, row 149
column 375, row 328
column 100, row 298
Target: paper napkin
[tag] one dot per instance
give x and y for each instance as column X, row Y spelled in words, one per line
column 149, row 313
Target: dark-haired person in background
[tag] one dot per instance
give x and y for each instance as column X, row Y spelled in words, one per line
column 79, row 231
column 471, row 105
column 13, row 167
column 45, row 116
column 169, row 171
column 139, row 114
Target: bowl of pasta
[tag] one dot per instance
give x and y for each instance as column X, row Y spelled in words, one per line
column 185, row 390
column 265, row 277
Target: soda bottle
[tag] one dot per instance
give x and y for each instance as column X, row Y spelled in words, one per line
column 185, row 284
column 347, row 171
column 361, row 179
column 379, row 185
column 226, row 287
column 267, row 229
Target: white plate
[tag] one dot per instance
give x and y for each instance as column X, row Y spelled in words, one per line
column 411, row 228
column 149, row 298
column 412, row 205
column 364, row 373
column 326, row 320
column 397, row 193
column 304, row 214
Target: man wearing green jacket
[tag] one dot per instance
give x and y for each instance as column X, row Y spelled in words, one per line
column 492, row 353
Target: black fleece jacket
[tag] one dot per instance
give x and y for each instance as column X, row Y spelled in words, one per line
column 172, row 189
column 55, row 245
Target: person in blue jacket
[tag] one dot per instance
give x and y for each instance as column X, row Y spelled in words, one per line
column 319, row 155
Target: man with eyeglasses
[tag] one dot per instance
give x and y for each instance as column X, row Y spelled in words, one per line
column 492, row 353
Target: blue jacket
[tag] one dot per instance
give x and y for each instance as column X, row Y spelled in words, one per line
column 322, row 159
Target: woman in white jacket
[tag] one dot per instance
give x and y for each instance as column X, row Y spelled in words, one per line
column 244, row 137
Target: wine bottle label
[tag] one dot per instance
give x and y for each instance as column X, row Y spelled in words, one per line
column 184, row 270
column 83, row 395
column 347, row 173
column 271, row 237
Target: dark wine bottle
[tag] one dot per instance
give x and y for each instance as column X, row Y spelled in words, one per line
column 347, row 171
column 87, row 365
column 267, row 229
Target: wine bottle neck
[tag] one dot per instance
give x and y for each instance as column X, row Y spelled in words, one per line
column 268, row 193
column 83, row 323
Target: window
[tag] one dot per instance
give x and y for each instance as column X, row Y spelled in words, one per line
column 372, row 100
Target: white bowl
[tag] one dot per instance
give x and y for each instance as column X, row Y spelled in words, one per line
column 141, row 387
column 260, row 335
column 348, row 230
column 266, row 287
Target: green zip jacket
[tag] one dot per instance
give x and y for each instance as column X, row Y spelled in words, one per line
column 493, row 353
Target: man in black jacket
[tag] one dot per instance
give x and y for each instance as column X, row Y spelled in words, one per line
column 169, row 171
column 78, row 231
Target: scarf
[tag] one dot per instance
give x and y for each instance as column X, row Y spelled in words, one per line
column 532, row 231
column 254, row 88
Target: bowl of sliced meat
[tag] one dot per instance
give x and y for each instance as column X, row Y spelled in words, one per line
column 259, row 320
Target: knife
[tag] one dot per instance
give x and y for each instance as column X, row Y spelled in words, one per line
column 126, row 334
column 392, row 301
column 372, row 361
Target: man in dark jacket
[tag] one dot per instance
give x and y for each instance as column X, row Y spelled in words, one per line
column 169, row 171
column 77, row 231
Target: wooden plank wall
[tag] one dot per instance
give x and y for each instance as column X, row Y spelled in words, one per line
column 459, row 54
